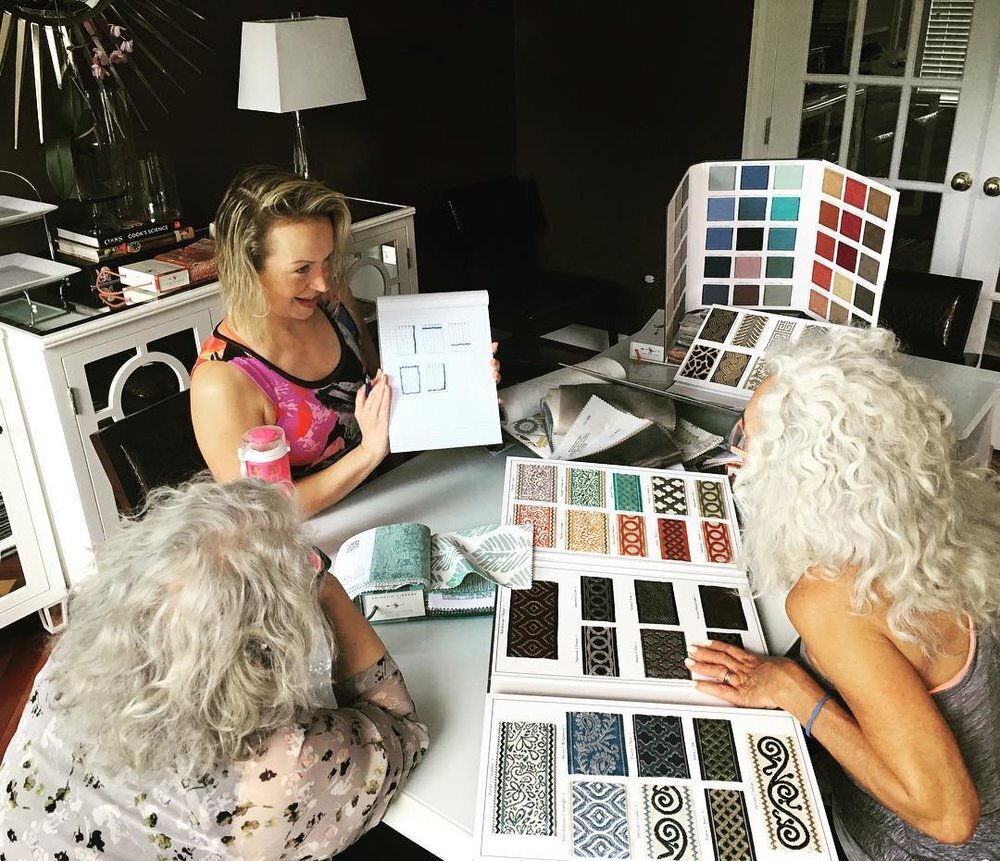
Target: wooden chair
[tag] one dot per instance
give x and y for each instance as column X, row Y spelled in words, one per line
column 147, row 449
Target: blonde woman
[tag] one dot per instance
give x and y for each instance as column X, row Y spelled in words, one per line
column 890, row 550
column 150, row 733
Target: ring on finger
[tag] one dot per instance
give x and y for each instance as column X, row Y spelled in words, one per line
column 726, row 677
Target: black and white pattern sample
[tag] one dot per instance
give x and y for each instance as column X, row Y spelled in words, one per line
column 526, row 777
column 717, row 326
column 669, row 496
column 749, row 331
column 435, row 377
column 409, row 379
column 598, row 599
column 727, row 814
column 710, row 500
column 788, row 812
column 600, row 650
column 699, row 362
column 716, row 750
column 783, row 331
column 432, row 338
column 596, row 743
column 659, row 746
column 406, row 341
column 663, row 654
column 670, row 826
column 600, row 822
column 654, row 602
column 723, row 607
column 757, row 375
column 727, row 637
column 533, row 624
column 459, row 337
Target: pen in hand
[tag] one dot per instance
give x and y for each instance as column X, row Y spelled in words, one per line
column 368, row 385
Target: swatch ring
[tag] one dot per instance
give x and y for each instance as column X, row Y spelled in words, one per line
column 725, row 678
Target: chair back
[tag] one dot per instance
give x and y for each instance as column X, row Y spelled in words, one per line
column 147, row 449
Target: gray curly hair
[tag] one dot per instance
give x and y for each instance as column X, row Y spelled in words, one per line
column 189, row 646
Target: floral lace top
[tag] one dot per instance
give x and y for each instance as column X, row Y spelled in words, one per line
column 317, row 788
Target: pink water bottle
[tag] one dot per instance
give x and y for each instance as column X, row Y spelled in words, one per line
column 263, row 454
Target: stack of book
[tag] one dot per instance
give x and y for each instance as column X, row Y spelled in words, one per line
column 198, row 258
column 99, row 246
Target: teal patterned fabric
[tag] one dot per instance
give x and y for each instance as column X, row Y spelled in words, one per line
column 401, row 556
column 628, row 495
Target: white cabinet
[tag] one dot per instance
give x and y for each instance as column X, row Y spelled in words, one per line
column 384, row 251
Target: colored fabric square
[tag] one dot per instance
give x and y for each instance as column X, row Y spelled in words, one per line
column 542, row 518
column 526, row 779
column 717, row 544
column 668, row 816
column 746, row 294
column 749, row 331
column 716, row 750
column 818, row 303
column 598, row 599
column 868, row 269
column 785, row 209
column 699, row 362
column 631, row 535
column 842, row 286
column 756, row 376
column 822, row 275
column 587, row 531
column 727, row 814
column 788, row 176
column 874, row 237
column 781, row 791
column 659, row 746
column 855, row 192
column 586, row 487
column 721, row 208
column 654, row 602
column 864, row 299
column 783, row 330
column 837, row 314
column 878, row 203
column 829, row 216
column 673, row 540
column 669, row 495
column 826, row 245
column 753, row 208
column 781, row 239
column 850, row 225
column 596, row 743
column 754, row 176
column 718, row 324
column 749, row 238
column 780, row 267
column 727, row 637
column 833, row 183
column 600, row 651
column 778, row 294
column 722, row 178
column 600, row 823
column 536, row 481
column 747, row 267
column 847, row 256
column 663, row 654
column 730, row 369
column 710, row 499
column 722, row 607
column 717, row 267
column 718, row 239
column 714, row 294
column 533, row 624
column 628, row 492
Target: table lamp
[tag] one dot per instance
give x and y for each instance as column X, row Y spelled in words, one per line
column 292, row 64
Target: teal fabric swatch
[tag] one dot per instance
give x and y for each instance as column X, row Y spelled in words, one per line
column 401, row 557
column 628, row 495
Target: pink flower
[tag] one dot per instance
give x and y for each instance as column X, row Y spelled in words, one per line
column 118, row 57
column 126, row 46
column 97, row 71
column 117, row 30
column 101, row 57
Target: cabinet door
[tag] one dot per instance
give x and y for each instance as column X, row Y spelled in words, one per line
column 383, row 263
column 121, row 377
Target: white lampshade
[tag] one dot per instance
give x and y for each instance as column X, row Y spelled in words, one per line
column 292, row 64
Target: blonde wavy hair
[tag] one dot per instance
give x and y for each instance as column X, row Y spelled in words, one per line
column 189, row 645
column 851, row 465
column 258, row 198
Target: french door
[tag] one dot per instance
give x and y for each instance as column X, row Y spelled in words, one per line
column 900, row 90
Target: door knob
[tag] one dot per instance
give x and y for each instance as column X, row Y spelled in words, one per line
column 992, row 186
column 961, row 181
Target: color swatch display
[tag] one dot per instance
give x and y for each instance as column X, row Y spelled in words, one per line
column 799, row 235
column 626, row 516
column 579, row 778
column 587, row 630
column 725, row 362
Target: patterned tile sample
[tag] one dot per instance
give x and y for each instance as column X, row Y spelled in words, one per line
column 730, row 826
column 783, row 330
column 542, row 518
column 699, row 362
column 600, row 824
column 628, row 493
column 659, row 746
column 727, row 637
column 717, row 326
column 669, row 496
column 596, row 744
column 757, row 375
column 537, row 482
column 710, row 499
column 716, row 749
column 663, row 654
column 788, row 812
column 730, row 369
column 669, row 818
column 654, row 601
column 600, row 651
column 749, row 331
column 533, row 626
column 631, row 535
column 673, row 539
column 598, row 599
column 717, row 543
column 586, row 487
column 722, row 607
column 526, row 776
column 586, row 531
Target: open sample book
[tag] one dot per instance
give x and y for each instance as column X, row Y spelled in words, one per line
column 595, row 742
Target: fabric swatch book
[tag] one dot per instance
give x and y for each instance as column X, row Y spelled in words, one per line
column 403, row 571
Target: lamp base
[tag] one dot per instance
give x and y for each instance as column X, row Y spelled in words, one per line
column 300, row 161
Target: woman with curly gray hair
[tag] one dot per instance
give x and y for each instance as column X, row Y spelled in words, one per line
column 181, row 714
column 889, row 548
